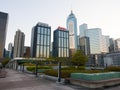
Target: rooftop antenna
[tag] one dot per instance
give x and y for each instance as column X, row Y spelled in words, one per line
column 71, row 8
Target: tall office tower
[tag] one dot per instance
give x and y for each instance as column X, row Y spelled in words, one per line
column 78, row 42
column 85, row 45
column 105, row 44
column 112, row 45
column 117, row 44
column 27, row 51
column 72, row 27
column 3, row 27
column 41, row 40
column 19, row 44
column 94, row 35
column 61, row 42
column 9, row 46
column 51, row 49
column 83, row 29
column 10, row 49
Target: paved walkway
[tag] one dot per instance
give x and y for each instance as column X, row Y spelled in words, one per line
column 21, row 81
column 2, row 73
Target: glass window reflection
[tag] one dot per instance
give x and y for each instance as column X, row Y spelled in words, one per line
column 37, row 51
column 38, row 39
column 42, row 38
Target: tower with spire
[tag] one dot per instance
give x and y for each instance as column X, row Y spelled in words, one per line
column 72, row 27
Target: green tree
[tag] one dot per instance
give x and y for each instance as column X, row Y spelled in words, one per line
column 5, row 61
column 79, row 58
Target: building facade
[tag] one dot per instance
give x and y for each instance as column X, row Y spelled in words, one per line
column 41, row 40
column 26, row 51
column 112, row 45
column 19, row 44
column 117, row 44
column 94, row 35
column 3, row 28
column 112, row 59
column 85, row 45
column 10, row 47
column 72, row 27
column 61, row 42
column 105, row 44
column 83, row 29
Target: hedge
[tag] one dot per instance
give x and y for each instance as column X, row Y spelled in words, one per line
column 32, row 68
column 67, row 73
column 113, row 68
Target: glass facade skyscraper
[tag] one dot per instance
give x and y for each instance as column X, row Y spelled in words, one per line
column 61, row 42
column 72, row 27
column 19, row 44
column 112, row 45
column 105, row 44
column 85, row 45
column 117, row 44
column 3, row 27
column 41, row 40
column 83, row 29
column 94, row 35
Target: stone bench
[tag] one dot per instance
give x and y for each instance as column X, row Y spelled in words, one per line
column 94, row 84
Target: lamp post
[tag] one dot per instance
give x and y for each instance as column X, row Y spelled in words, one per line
column 36, row 71
column 23, row 67
column 59, row 71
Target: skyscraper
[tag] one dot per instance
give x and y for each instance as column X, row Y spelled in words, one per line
column 41, row 40
column 61, row 42
column 94, row 35
column 83, row 29
column 9, row 46
column 105, row 44
column 10, row 49
column 85, row 45
column 72, row 27
column 3, row 27
column 117, row 44
column 19, row 44
column 112, row 45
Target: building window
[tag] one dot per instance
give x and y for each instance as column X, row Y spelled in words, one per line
column 38, row 39
column 42, row 38
column 37, row 51
column 38, row 30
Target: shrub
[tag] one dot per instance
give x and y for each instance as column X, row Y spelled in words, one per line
column 67, row 73
column 32, row 68
column 29, row 64
column 113, row 68
column 74, row 68
column 64, row 73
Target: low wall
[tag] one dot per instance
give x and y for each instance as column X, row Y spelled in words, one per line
column 96, row 80
column 95, row 76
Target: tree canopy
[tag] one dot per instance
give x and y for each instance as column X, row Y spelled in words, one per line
column 79, row 58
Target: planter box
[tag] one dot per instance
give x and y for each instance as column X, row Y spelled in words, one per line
column 95, row 76
column 96, row 80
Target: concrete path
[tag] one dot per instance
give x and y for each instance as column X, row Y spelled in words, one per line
column 2, row 73
column 22, row 81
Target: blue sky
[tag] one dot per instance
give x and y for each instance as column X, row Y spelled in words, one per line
column 24, row 14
